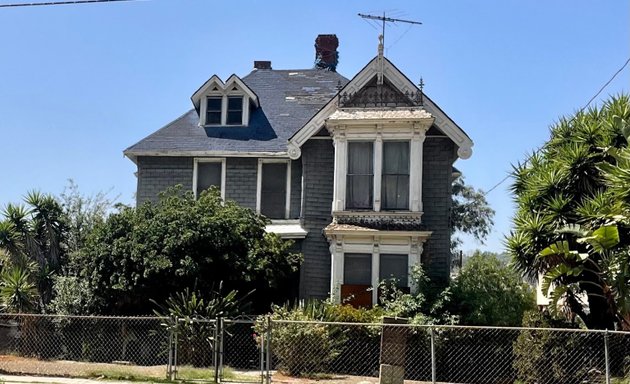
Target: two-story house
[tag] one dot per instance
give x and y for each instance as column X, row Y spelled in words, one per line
column 358, row 172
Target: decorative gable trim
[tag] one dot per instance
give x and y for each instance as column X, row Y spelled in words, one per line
column 222, row 88
column 404, row 85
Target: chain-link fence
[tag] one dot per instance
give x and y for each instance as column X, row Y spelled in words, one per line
column 238, row 350
column 448, row 354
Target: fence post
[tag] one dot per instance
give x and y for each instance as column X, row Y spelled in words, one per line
column 268, row 339
column 215, row 352
column 606, row 357
column 433, row 368
column 169, row 363
column 174, row 369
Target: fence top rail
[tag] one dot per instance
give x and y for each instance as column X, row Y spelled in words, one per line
column 89, row 317
column 426, row 326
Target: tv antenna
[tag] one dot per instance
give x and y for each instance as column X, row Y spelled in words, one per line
column 385, row 19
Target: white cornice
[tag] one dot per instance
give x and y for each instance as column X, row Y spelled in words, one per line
column 402, row 83
column 133, row 155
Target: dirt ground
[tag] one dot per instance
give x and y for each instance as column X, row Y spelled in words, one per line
column 16, row 365
column 26, row 366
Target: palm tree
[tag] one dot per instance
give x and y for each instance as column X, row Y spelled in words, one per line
column 564, row 184
column 33, row 238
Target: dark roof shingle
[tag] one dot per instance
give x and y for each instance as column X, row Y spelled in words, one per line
column 288, row 99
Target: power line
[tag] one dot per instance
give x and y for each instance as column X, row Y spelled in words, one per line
column 574, row 116
column 67, row 2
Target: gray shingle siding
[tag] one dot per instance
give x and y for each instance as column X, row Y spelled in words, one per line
column 240, row 180
column 438, row 157
column 155, row 174
column 317, row 167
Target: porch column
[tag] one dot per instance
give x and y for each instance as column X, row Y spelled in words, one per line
column 341, row 159
column 376, row 263
column 336, row 271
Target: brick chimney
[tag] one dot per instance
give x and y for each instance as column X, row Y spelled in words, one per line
column 261, row 64
column 326, row 55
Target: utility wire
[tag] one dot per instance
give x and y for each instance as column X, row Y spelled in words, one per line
column 574, row 116
column 68, row 2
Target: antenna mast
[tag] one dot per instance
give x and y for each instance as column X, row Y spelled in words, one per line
column 384, row 20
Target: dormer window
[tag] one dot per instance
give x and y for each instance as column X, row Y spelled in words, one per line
column 213, row 110
column 224, row 104
column 234, row 111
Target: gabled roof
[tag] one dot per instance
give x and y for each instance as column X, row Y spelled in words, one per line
column 287, row 98
column 216, row 82
column 404, row 85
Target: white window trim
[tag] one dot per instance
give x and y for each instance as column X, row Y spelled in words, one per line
column 416, row 143
column 287, row 208
column 209, row 160
column 338, row 262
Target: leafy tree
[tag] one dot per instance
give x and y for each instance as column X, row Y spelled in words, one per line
column 565, row 183
column 470, row 212
column 82, row 213
column 179, row 242
column 488, row 292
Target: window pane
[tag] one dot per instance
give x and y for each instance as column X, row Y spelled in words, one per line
column 394, row 266
column 235, row 103
column 208, row 175
column 234, row 118
column 357, row 268
column 395, row 179
column 214, row 104
column 213, row 110
column 235, row 111
column 360, row 176
column 273, row 192
column 213, row 118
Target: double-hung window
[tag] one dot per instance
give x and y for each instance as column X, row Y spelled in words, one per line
column 213, row 110
column 208, row 173
column 360, row 175
column 274, row 188
column 395, row 176
column 234, row 110
column 394, row 266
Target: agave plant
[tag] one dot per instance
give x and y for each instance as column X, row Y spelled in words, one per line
column 17, row 293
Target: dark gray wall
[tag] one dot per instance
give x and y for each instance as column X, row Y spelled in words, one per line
column 438, row 157
column 240, row 180
column 155, row 174
column 317, row 168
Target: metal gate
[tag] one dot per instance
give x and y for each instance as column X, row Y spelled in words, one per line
column 218, row 350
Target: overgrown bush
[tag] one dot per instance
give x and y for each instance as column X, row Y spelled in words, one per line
column 300, row 349
column 552, row 357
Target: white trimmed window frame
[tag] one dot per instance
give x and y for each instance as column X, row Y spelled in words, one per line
column 198, row 160
column 416, row 141
column 224, row 104
column 338, row 261
column 287, row 208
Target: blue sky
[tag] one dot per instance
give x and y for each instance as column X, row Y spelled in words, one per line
column 80, row 83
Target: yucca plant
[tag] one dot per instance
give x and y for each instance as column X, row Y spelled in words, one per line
column 17, row 293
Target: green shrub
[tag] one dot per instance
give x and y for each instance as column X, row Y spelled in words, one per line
column 300, row 349
column 552, row 357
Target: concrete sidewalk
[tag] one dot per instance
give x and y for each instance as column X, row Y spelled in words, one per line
column 59, row 380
